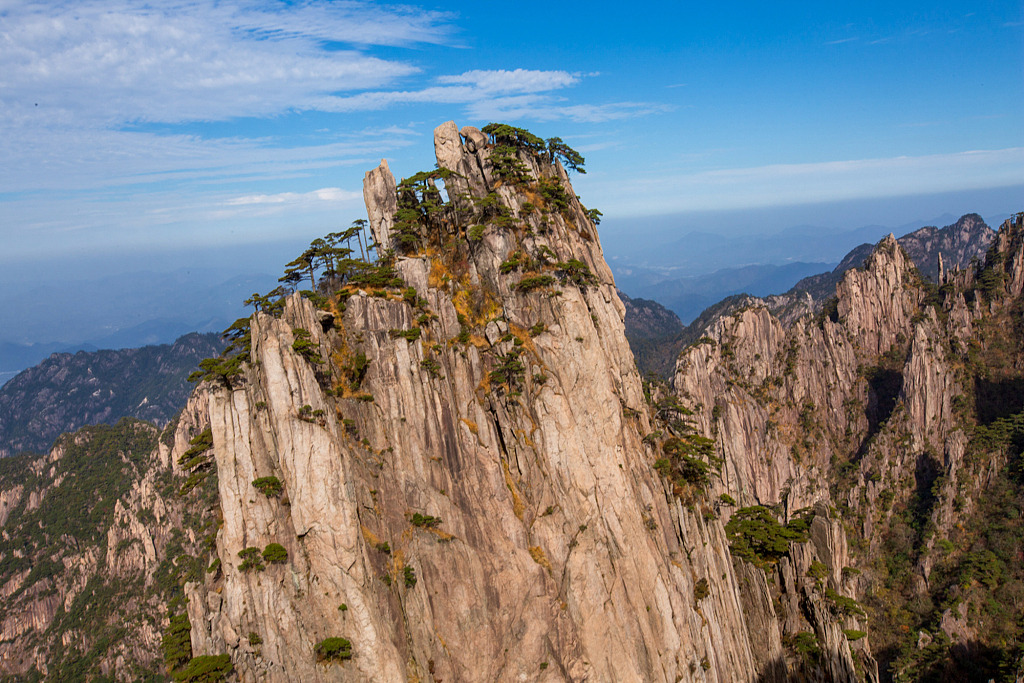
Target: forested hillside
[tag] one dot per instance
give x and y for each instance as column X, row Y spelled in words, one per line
column 68, row 391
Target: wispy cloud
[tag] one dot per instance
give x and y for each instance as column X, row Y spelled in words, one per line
column 518, row 94
column 787, row 184
column 552, row 109
column 135, row 120
column 106, row 63
column 94, row 160
column 326, row 194
column 596, row 146
column 841, row 40
column 519, row 80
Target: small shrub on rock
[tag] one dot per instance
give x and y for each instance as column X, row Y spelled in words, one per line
column 333, row 650
column 275, row 553
column 817, row 571
column 205, row 669
column 270, row 487
column 251, row 559
column 425, row 521
column 532, row 282
column 757, row 537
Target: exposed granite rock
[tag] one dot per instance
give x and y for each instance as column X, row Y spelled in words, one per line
column 855, row 414
column 381, row 202
column 88, row 559
column 560, row 554
column 957, row 246
column 655, row 335
column 482, row 500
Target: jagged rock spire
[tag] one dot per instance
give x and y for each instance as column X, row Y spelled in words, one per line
column 381, row 203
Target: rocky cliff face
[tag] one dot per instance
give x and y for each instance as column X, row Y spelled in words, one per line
column 955, row 246
column 95, row 545
column 655, row 335
column 877, row 415
column 491, row 512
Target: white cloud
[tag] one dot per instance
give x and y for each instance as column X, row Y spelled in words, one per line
column 106, row 63
column 491, row 95
column 519, row 80
column 95, row 96
column 326, row 194
column 546, row 108
column 792, row 184
column 97, row 159
column 466, row 88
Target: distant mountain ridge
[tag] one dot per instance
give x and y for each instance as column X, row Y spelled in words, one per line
column 653, row 333
column 966, row 239
column 67, row 391
column 958, row 244
column 117, row 312
column 688, row 296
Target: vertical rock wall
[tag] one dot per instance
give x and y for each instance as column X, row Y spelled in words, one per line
column 559, row 554
column 854, row 415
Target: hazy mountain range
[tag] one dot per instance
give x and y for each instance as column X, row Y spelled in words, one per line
column 114, row 312
column 127, row 310
column 698, row 270
column 67, row 391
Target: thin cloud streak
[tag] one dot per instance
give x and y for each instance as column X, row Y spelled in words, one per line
column 325, row 194
column 95, row 160
column 794, row 184
column 518, row 94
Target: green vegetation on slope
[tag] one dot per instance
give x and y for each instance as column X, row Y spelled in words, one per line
column 66, row 391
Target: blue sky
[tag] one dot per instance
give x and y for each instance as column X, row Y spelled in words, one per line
column 140, row 126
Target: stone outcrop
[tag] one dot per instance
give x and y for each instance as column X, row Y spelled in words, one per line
column 551, row 551
column 955, row 246
column 94, row 540
column 381, row 202
column 854, row 413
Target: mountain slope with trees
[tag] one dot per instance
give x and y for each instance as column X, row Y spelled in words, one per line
column 68, row 391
